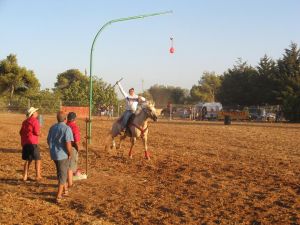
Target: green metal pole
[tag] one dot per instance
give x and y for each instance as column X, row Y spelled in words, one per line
column 91, row 58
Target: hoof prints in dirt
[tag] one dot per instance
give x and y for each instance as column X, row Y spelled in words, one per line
column 197, row 175
column 99, row 213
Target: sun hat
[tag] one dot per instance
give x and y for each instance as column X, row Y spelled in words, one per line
column 30, row 111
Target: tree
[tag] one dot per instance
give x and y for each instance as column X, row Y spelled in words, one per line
column 162, row 95
column 73, row 87
column 288, row 79
column 103, row 93
column 178, row 95
column 76, row 94
column 207, row 88
column 238, row 85
column 15, row 79
column 265, row 81
column 67, row 78
column 196, row 94
column 146, row 94
column 46, row 100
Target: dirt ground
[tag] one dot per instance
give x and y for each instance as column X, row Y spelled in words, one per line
column 199, row 173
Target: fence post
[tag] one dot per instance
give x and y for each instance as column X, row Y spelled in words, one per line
column 170, row 112
column 60, row 104
column 28, row 103
column 118, row 110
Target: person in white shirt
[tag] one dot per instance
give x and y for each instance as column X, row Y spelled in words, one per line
column 132, row 101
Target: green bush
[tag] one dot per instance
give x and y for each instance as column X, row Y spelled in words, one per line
column 291, row 108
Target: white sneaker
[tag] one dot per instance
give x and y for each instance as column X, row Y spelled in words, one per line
column 80, row 177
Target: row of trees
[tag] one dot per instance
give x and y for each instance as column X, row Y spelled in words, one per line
column 72, row 87
column 271, row 82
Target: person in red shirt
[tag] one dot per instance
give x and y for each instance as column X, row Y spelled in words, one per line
column 75, row 144
column 30, row 131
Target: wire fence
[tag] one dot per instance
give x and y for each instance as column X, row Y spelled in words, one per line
column 215, row 111
column 21, row 105
column 49, row 106
column 169, row 112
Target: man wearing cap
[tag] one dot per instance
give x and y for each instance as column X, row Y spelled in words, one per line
column 60, row 139
column 75, row 144
column 30, row 132
column 132, row 101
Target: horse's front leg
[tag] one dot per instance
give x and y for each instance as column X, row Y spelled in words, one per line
column 133, row 140
column 147, row 155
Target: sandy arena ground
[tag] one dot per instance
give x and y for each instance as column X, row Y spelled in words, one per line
column 200, row 173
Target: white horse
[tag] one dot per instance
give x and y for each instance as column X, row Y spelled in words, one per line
column 137, row 127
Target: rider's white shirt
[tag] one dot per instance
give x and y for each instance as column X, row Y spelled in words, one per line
column 131, row 101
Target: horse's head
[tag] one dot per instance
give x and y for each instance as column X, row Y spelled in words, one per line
column 150, row 110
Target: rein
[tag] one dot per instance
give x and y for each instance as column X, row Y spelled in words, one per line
column 140, row 129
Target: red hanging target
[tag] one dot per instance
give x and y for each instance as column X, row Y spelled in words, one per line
column 172, row 49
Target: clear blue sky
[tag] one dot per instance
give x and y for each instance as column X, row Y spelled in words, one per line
column 50, row 37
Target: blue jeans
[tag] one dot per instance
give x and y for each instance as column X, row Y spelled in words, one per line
column 126, row 117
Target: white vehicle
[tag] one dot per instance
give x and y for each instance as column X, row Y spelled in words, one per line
column 208, row 110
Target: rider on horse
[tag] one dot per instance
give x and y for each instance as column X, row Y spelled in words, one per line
column 132, row 101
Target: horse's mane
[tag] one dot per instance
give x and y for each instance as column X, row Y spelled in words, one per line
column 142, row 106
column 138, row 111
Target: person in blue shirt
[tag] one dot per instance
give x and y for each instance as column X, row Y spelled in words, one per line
column 59, row 140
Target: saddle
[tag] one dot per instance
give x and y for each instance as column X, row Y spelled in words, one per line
column 130, row 120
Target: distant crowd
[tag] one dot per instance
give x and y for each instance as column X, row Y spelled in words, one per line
column 104, row 110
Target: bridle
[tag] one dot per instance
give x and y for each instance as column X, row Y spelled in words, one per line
column 146, row 111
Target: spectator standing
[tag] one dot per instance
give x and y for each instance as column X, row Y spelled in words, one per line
column 60, row 139
column 110, row 112
column 30, row 132
column 71, row 122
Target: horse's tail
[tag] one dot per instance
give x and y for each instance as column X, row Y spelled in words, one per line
column 111, row 134
column 107, row 140
column 114, row 132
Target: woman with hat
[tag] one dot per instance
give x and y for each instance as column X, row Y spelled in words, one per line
column 30, row 132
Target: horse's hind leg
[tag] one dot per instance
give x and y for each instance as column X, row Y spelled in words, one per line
column 113, row 143
column 121, row 139
column 147, row 155
column 133, row 140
